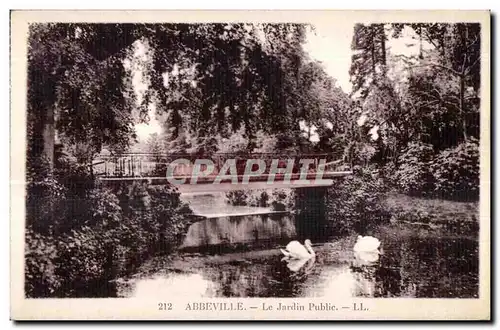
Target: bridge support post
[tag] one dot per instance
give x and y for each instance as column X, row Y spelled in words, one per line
column 311, row 212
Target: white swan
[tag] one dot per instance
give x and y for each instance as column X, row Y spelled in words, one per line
column 295, row 250
column 367, row 244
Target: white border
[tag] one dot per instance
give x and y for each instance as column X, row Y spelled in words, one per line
column 352, row 7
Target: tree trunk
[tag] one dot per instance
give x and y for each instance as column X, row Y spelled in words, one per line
column 373, row 55
column 382, row 45
column 462, row 109
column 465, row 37
column 48, row 135
column 420, row 55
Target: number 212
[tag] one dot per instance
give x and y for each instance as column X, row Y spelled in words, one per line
column 164, row 306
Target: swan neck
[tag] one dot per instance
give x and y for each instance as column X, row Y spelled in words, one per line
column 309, row 248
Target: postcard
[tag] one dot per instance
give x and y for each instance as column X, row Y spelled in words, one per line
column 250, row 165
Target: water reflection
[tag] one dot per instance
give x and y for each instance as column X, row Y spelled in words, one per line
column 408, row 267
column 214, row 204
column 168, row 285
column 365, row 258
column 295, row 265
column 239, row 229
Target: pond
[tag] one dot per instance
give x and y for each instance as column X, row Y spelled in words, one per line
column 212, row 205
column 412, row 264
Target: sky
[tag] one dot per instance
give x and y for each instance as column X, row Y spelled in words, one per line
column 331, row 45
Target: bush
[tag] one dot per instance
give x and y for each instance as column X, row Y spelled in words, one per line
column 162, row 218
column 170, row 217
column 236, row 142
column 45, row 205
column 240, row 197
column 81, row 261
column 456, row 171
column 41, row 279
column 265, row 143
column 104, row 238
column 413, row 175
column 356, row 203
column 104, row 209
column 282, row 199
column 277, row 199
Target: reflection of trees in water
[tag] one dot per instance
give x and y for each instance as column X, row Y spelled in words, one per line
column 417, row 267
column 263, row 278
column 248, row 229
column 365, row 277
column 291, row 276
column 407, row 285
column 310, row 218
column 388, row 282
column 409, row 267
column 387, row 276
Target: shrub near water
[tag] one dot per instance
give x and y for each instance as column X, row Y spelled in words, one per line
column 86, row 252
column 280, row 199
column 355, row 204
column 41, row 279
column 77, row 242
column 456, row 171
column 170, row 217
column 413, row 176
column 451, row 173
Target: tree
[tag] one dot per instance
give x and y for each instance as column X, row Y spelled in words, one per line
column 217, row 74
column 155, row 145
column 368, row 62
column 227, row 76
column 431, row 96
column 75, row 86
column 452, row 79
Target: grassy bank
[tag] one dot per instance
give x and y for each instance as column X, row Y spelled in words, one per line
column 444, row 216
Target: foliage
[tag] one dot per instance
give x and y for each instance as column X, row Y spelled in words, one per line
column 277, row 199
column 222, row 77
column 359, row 153
column 81, row 261
column 169, row 216
column 456, row 171
column 425, row 101
column 231, row 88
column 369, row 56
column 265, row 143
column 78, row 245
column 414, row 175
column 76, row 90
column 154, row 144
column 44, row 197
column 41, row 279
column 355, row 204
column 239, row 197
column 282, row 199
column 236, row 142
column 99, row 236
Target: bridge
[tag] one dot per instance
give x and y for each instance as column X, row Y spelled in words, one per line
column 195, row 175
column 217, row 172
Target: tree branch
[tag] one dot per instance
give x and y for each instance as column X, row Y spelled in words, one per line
column 469, row 69
column 438, row 98
column 439, row 66
column 473, row 42
column 463, row 65
column 430, row 39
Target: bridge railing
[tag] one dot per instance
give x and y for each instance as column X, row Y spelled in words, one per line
column 130, row 165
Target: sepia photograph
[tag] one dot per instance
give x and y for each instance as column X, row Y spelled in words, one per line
column 315, row 163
